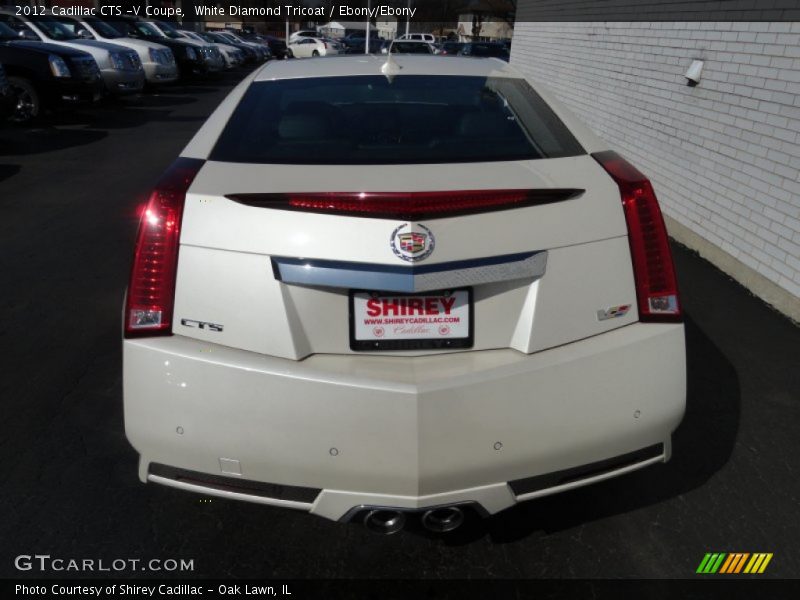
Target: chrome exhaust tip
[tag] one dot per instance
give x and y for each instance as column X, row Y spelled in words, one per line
column 442, row 520
column 385, row 522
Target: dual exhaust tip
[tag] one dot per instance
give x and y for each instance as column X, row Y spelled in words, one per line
column 437, row 520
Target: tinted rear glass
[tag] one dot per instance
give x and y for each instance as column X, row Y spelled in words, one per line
column 411, row 119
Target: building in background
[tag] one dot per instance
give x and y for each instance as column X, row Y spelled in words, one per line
column 723, row 155
column 387, row 27
column 486, row 21
column 338, row 29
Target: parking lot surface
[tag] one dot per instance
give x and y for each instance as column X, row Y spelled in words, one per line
column 68, row 198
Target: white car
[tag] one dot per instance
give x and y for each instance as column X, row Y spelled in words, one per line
column 312, row 47
column 370, row 288
column 304, row 33
column 418, row 37
column 411, row 47
column 158, row 61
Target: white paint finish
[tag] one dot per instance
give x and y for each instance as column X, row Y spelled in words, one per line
column 238, row 290
column 203, row 141
column 723, row 156
column 404, row 427
column 212, row 221
column 416, row 427
column 581, row 280
column 358, row 64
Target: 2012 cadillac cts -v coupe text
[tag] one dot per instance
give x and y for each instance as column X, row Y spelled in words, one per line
column 370, row 287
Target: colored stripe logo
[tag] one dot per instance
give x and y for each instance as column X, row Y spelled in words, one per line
column 732, row 563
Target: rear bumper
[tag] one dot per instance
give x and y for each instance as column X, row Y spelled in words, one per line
column 492, row 427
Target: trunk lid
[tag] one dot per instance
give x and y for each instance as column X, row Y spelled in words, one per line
column 230, row 290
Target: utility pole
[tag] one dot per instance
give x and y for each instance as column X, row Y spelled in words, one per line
column 368, row 32
column 408, row 18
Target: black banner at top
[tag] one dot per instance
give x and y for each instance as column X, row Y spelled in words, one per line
column 430, row 13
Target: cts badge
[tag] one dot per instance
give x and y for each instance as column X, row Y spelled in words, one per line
column 201, row 325
column 412, row 242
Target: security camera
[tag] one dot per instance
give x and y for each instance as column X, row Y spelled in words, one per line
column 693, row 73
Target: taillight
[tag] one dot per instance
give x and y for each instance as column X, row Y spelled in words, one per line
column 407, row 205
column 151, row 290
column 656, row 284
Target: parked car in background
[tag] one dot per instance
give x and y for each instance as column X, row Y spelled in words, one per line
column 190, row 61
column 485, row 50
column 278, row 47
column 255, row 38
column 303, row 33
column 411, row 47
column 232, row 56
column 358, row 38
column 8, row 99
column 212, row 57
column 46, row 76
column 250, row 56
column 306, row 47
column 418, row 37
column 261, row 49
column 376, row 46
column 158, row 61
column 120, row 67
column 377, row 289
column 450, row 48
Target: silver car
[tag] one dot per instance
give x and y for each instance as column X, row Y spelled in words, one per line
column 120, row 67
column 158, row 61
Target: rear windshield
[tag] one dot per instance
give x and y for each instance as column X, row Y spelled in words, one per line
column 408, row 119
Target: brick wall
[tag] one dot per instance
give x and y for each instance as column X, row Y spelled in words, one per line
column 724, row 156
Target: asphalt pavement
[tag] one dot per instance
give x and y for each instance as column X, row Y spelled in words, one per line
column 69, row 189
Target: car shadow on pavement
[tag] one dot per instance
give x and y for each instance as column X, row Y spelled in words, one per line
column 8, row 171
column 702, row 445
column 195, row 88
column 119, row 116
column 18, row 141
column 157, row 100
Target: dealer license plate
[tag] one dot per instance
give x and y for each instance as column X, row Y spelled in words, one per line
column 391, row 321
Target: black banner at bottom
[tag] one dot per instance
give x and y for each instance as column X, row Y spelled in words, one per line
column 295, row 589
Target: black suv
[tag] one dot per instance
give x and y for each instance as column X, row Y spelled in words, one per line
column 278, row 47
column 485, row 49
column 8, row 99
column 44, row 76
